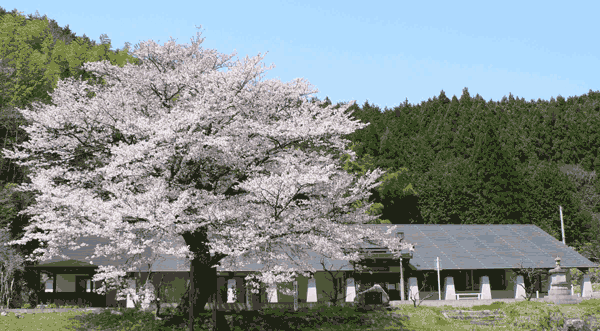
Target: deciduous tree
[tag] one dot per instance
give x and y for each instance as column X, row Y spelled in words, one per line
column 177, row 147
column 531, row 279
column 10, row 262
column 335, row 294
column 415, row 297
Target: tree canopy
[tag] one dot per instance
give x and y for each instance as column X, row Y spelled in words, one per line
column 175, row 147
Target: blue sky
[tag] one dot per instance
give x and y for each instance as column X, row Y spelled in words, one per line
column 380, row 51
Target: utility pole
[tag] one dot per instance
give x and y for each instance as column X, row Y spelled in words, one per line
column 437, row 260
column 562, row 225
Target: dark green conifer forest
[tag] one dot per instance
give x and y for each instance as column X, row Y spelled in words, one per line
column 468, row 161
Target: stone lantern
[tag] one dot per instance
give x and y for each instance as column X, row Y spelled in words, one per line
column 560, row 292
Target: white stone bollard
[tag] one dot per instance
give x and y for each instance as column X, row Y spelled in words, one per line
column 449, row 291
column 413, row 285
column 586, row 287
column 350, row 290
column 486, row 291
column 519, row 289
column 272, row 294
column 311, row 295
column 231, row 297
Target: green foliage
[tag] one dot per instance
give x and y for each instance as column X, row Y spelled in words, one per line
column 525, row 315
column 39, row 59
column 34, row 54
column 586, row 192
column 576, row 274
column 8, row 211
column 26, row 306
column 548, row 188
column 11, row 134
column 270, row 318
column 494, row 305
column 132, row 319
column 468, row 161
column 46, row 321
column 495, row 173
column 444, row 194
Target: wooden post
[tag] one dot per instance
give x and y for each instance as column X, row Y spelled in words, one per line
column 401, row 280
column 437, row 260
column 248, row 296
column 295, row 295
column 214, row 311
column 216, row 295
column 191, row 298
column 562, row 225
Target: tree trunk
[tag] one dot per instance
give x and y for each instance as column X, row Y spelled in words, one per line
column 157, row 294
column 10, row 293
column 2, row 286
column 197, row 294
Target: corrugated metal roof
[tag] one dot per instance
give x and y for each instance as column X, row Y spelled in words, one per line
column 164, row 263
column 68, row 263
column 487, row 247
column 457, row 246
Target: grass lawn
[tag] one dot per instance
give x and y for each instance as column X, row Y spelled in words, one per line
column 518, row 316
column 45, row 321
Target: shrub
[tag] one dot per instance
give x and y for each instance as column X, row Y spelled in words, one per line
column 168, row 310
column 275, row 318
column 556, row 320
column 26, row 306
column 52, row 305
column 492, row 306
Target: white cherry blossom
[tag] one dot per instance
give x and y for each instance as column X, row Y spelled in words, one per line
column 183, row 145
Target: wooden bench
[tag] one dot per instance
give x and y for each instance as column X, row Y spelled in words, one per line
column 458, row 295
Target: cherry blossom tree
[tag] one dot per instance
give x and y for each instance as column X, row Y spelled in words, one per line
column 188, row 144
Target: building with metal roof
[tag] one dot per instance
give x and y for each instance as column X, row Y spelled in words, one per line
column 472, row 247
column 476, row 260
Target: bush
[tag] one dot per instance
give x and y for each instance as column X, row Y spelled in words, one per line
column 555, row 320
column 492, row 306
column 271, row 318
column 168, row 310
column 26, row 306
column 132, row 319
column 52, row 305
column 281, row 319
column 274, row 318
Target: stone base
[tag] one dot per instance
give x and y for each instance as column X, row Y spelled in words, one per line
column 564, row 300
column 561, row 289
column 561, row 294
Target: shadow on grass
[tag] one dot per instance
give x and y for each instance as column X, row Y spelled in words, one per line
column 334, row 318
column 519, row 316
